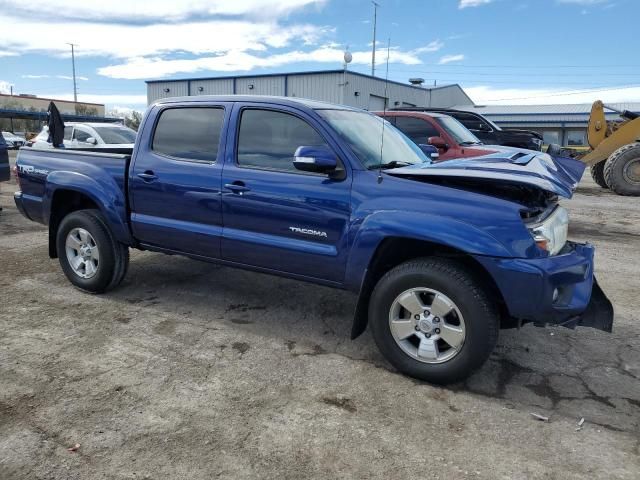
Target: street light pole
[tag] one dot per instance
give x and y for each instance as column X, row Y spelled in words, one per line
column 373, row 48
column 73, row 64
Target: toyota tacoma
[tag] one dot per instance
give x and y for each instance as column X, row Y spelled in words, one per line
column 440, row 256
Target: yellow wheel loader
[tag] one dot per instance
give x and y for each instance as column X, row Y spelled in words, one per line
column 615, row 150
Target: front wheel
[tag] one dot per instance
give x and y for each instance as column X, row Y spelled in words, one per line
column 432, row 320
column 89, row 255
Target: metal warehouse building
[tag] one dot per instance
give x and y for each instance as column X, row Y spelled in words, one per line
column 561, row 124
column 335, row 86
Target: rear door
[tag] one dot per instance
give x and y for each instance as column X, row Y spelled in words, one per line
column 174, row 182
column 277, row 217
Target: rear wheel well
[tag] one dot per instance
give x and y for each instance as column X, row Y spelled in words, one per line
column 396, row 250
column 62, row 204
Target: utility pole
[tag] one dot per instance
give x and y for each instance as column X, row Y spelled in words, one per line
column 73, row 64
column 373, row 48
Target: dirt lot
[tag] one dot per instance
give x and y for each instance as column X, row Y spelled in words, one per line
column 195, row 371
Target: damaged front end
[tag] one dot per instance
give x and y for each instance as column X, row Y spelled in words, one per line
column 556, row 287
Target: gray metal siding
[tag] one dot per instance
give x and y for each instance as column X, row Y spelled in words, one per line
column 448, row 97
column 261, row 86
column 156, row 91
column 212, row 87
column 360, row 89
column 326, row 88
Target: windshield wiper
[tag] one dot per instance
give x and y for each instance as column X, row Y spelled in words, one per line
column 392, row 164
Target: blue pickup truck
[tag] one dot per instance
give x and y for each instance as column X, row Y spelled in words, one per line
column 441, row 256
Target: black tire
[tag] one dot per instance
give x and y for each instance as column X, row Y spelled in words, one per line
column 114, row 256
column 452, row 279
column 620, row 162
column 597, row 173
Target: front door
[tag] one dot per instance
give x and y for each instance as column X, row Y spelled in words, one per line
column 276, row 217
column 175, row 181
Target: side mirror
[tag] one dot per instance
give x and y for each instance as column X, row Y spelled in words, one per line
column 92, row 141
column 430, row 151
column 315, row 159
column 438, row 142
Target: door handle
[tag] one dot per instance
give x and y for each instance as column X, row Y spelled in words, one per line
column 148, row 176
column 237, row 187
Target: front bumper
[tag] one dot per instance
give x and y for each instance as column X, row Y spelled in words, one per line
column 559, row 290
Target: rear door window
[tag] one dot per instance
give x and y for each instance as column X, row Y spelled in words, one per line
column 189, row 133
column 417, row 129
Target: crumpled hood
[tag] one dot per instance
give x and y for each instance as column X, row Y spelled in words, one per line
column 558, row 175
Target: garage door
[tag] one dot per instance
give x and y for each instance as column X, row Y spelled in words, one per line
column 376, row 103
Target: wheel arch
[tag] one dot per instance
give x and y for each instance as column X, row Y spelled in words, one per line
column 393, row 251
column 61, row 200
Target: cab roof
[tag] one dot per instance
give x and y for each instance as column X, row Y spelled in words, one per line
column 286, row 101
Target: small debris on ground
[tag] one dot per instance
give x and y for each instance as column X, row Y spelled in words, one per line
column 541, row 418
column 580, row 423
column 74, row 448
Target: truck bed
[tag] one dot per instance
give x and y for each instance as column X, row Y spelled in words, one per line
column 56, row 164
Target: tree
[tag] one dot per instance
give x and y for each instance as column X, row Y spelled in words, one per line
column 86, row 110
column 131, row 118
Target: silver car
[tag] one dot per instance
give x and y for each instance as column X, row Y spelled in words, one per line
column 90, row 135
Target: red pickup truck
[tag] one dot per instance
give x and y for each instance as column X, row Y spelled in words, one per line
column 448, row 135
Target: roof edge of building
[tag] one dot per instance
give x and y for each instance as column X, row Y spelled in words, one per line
column 310, row 72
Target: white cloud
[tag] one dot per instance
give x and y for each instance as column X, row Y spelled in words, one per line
column 485, row 95
column 63, row 77
column 128, row 41
column 472, row 3
column 7, row 54
column 433, row 46
column 5, row 87
column 451, row 58
column 152, row 10
column 143, row 67
column 69, row 77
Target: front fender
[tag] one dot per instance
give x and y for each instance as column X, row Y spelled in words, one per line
column 102, row 190
column 432, row 228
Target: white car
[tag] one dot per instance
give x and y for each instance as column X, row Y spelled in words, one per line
column 13, row 140
column 90, row 135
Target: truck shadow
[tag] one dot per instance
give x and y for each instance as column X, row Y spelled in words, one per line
column 553, row 371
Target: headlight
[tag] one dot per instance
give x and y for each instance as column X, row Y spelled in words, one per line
column 551, row 234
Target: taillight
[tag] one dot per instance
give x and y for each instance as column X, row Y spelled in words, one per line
column 15, row 174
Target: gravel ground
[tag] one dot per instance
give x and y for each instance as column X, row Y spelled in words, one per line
column 195, row 371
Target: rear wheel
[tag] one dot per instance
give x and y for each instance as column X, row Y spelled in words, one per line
column 597, row 173
column 622, row 170
column 432, row 320
column 89, row 255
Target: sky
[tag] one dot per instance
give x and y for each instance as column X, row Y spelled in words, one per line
column 499, row 51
